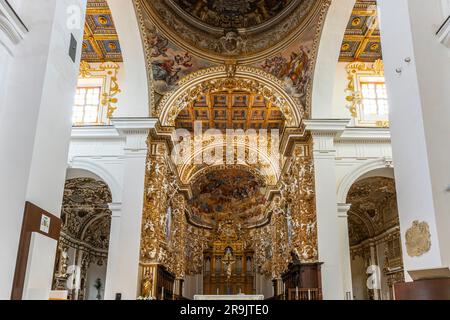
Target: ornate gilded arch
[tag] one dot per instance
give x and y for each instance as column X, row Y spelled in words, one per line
column 217, row 79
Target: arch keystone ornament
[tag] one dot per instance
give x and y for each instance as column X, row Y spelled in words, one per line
column 418, row 239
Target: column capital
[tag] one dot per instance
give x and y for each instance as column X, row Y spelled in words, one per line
column 135, row 131
column 133, row 125
column 324, row 133
column 343, row 209
column 327, row 127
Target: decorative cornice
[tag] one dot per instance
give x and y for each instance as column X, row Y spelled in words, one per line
column 136, row 131
column 328, row 127
column 116, row 209
column 343, row 209
column 95, row 132
column 365, row 135
column 134, row 125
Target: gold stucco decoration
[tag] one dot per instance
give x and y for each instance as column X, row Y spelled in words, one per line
column 418, row 239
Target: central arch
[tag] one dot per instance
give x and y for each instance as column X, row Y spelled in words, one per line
column 224, row 78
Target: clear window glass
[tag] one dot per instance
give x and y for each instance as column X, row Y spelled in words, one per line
column 86, row 108
column 374, row 99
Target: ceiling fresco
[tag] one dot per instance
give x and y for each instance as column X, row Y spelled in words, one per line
column 100, row 42
column 182, row 23
column 233, row 13
column 362, row 41
column 373, row 208
column 228, row 193
column 176, row 46
column 231, row 110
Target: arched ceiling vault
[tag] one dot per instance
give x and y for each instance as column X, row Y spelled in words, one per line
column 267, row 166
column 373, row 208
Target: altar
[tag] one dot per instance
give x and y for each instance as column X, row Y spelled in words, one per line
column 236, row 297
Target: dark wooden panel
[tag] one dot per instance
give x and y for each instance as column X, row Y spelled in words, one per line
column 436, row 289
column 31, row 223
column 304, row 279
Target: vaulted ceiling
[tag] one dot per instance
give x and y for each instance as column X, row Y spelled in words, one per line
column 100, row 42
column 373, row 208
column 362, row 40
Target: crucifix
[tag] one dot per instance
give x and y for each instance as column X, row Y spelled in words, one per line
column 228, row 261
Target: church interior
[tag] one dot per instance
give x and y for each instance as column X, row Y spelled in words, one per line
column 225, row 149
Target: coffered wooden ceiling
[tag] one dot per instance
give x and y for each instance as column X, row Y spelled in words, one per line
column 362, row 40
column 236, row 110
column 101, row 42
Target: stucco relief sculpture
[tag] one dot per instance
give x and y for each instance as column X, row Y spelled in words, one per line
column 298, row 187
column 418, row 239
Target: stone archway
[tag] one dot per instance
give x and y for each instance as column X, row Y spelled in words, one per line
column 82, row 252
column 374, row 234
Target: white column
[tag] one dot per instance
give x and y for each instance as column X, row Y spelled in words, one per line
column 123, row 278
column 343, row 209
column 417, row 69
column 113, row 250
column 324, row 133
column 35, row 125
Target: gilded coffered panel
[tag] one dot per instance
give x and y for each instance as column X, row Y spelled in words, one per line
column 100, row 42
column 362, row 41
column 231, row 110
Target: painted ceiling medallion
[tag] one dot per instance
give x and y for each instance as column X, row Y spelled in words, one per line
column 418, row 239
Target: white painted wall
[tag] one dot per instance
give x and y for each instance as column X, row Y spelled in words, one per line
column 339, row 104
column 420, row 113
column 359, row 279
column 35, row 127
column 95, row 272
